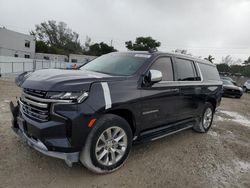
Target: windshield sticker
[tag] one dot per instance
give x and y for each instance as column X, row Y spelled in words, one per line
column 143, row 55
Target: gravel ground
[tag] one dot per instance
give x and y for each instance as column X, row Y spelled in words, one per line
column 220, row 158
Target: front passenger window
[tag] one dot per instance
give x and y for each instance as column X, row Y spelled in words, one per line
column 164, row 64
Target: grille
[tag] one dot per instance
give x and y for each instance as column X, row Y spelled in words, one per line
column 36, row 93
column 234, row 91
column 34, row 105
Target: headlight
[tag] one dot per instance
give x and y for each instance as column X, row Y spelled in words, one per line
column 72, row 96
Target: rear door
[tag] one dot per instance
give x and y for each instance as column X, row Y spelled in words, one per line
column 189, row 85
column 159, row 100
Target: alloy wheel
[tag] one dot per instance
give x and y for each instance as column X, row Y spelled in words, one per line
column 111, row 146
column 207, row 118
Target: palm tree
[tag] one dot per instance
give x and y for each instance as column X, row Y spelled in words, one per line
column 210, row 58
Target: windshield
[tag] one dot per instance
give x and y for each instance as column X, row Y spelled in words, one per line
column 227, row 78
column 117, row 64
column 227, row 82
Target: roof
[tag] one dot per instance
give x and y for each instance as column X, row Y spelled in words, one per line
column 3, row 29
column 157, row 53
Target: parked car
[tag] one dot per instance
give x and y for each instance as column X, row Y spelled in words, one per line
column 228, row 78
column 246, row 86
column 94, row 114
column 231, row 89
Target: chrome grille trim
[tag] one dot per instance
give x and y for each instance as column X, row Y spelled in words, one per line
column 38, row 104
column 45, row 100
column 35, row 114
column 32, row 114
column 36, row 109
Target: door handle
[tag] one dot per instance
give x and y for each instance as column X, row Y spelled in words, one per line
column 197, row 89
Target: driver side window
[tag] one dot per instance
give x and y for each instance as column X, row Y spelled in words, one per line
column 164, row 64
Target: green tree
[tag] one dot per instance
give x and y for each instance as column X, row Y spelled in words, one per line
column 42, row 47
column 210, row 58
column 57, row 36
column 143, row 44
column 234, row 66
column 98, row 49
column 227, row 60
column 247, row 62
column 182, row 51
column 223, row 67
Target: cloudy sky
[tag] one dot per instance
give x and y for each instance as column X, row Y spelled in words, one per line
column 216, row 27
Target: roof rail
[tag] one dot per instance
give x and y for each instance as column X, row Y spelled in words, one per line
column 152, row 50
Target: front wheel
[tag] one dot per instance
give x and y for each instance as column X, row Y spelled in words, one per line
column 206, row 119
column 108, row 144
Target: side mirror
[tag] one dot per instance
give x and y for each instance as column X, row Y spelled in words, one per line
column 155, row 76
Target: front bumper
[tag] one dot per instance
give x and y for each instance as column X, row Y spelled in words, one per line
column 37, row 143
column 232, row 92
column 69, row 158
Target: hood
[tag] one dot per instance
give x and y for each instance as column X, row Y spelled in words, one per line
column 232, row 87
column 62, row 80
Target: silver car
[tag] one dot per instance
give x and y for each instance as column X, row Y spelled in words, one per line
column 246, row 86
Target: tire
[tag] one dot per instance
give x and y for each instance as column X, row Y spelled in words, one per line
column 245, row 89
column 238, row 96
column 202, row 126
column 108, row 128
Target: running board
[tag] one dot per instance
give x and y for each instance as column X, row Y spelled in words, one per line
column 162, row 136
column 163, row 131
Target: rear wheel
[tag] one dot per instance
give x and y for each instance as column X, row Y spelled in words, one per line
column 206, row 119
column 108, row 145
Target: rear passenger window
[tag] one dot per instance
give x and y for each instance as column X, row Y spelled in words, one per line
column 185, row 70
column 209, row 72
column 164, row 64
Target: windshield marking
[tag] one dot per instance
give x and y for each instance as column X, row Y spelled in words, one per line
column 143, row 55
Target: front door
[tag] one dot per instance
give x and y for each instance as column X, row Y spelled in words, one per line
column 159, row 100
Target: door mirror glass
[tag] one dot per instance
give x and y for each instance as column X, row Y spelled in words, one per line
column 155, row 76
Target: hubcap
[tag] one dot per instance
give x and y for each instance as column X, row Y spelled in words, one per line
column 111, row 146
column 207, row 118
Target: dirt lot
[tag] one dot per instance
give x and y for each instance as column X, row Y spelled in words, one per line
column 220, row 158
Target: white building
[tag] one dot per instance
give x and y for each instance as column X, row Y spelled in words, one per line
column 16, row 44
column 77, row 58
column 52, row 57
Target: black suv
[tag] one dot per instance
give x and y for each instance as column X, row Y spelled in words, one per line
column 94, row 114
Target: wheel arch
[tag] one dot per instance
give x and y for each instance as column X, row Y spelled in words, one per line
column 127, row 115
column 212, row 101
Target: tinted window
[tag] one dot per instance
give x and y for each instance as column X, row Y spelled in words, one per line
column 185, row 70
column 227, row 82
column 117, row 63
column 209, row 72
column 164, row 65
